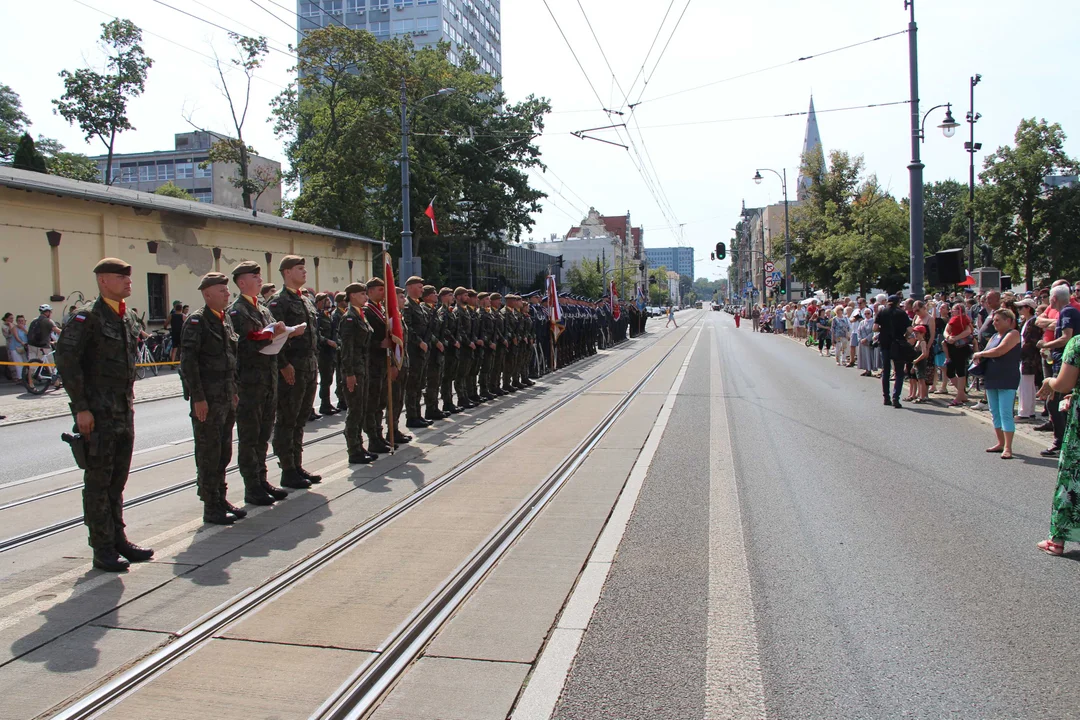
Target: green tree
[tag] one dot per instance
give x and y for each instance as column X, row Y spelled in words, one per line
column 13, row 122
column 583, row 278
column 1061, row 217
column 97, row 101
column 1013, row 207
column 944, row 215
column 470, row 150
column 75, row 166
column 171, row 189
column 27, row 157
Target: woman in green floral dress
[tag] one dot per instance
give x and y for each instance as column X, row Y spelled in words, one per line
column 1065, row 517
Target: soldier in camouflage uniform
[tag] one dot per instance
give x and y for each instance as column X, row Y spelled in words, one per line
column 436, row 356
column 208, row 373
column 342, row 307
column 298, row 367
column 96, row 357
column 465, row 352
column 354, row 342
column 375, row 399
column 478, row 348
column 494, row 382
column 400, row 381
column 511, row 338
column 487, row 338
column 327, row 351
column 418, row 321
column 448, row 321
column 258, row 379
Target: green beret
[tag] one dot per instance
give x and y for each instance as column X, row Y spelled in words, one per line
column 428, row 290
column 460, row 291
column 414, row 280
column 340, row 297
column 248, row 266
column 213, row 278
column 482, row 295
column 375, row 282
column 268, row 287
column 472, row 293
column 445, row 291
column 290, row 261
column 355, row 288
column 113, row 265
column 496, row 296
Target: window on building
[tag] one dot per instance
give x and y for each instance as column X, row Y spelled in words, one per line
column 380, row 4
column 165, row 170
column 310, row 9
column 403, row 3
column 398, row 27
column 355, row 6
column 185, row 170
column 156, row 286
column 445, row 27
column 204, row 172
column 380, row 28
column 129, row 174
column 427, row 2
column 333, row 7
column 147, row 173
column 427, row 24
column 203, row 195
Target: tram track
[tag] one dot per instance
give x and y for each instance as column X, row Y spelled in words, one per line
column 373, row 679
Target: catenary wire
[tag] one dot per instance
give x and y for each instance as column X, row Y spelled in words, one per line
column 214, row 24
column 779, row 115
column 660, row 57
column 659, row 29
column 273, row 15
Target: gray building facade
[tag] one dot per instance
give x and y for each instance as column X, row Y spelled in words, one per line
column 468, row 25
column 679, row 259
column 148, row 171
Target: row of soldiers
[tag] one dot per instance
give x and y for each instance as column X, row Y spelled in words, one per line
column 460, row 348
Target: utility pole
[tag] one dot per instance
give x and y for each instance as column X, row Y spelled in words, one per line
column 972, row 147
column 915, row 169
column 406, row 268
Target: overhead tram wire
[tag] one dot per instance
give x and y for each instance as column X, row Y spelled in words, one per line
column 177, row 44
column 565, row 185
column 301, row 17
column 662, row 52
column 572, row 52
column 778, row 115
column 769, row 68
column 230, row 19
column 273, row 15
column 656, row 37
column 214, row 24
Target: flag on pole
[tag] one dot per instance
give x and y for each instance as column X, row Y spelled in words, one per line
column 430, row 212
column 967, row 281
column 394, row 327
column 614, row 300
column 640, row 297
column 557, row 322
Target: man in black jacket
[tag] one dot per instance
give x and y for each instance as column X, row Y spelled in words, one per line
column 892, row 324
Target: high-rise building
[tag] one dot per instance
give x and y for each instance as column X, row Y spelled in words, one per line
column 677, row 259
column 470, row 26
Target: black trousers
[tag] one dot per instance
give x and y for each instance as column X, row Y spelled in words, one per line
column 892, row 364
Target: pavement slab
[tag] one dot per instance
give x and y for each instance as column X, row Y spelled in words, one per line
column 447, row 689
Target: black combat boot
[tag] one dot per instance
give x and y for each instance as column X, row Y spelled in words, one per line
column 132, row 552
column 256, row 494
column 415, row 422
column 292, row 479
column 328, row 410
column 271, row 490
column 310, row 477
column 378, row 445
column 401, row 438
column 109, row 560
column 450, row 409
column 240, row 513
column 216, row 514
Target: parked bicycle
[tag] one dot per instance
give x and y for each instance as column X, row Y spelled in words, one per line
column 40, row 376
column 144, row 360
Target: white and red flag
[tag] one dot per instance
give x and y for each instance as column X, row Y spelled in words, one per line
column 556, row 320
column 430, row 212
column 614, row 300
column 394, row 327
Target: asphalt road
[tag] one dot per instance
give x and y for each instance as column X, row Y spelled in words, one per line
column 35, row 448
column 892, row 561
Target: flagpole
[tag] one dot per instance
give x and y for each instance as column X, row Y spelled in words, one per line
column 389, row 380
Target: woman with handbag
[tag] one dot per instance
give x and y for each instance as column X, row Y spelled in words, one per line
column 999, row 364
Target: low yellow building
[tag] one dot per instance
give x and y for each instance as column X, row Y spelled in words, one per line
column 54, row 230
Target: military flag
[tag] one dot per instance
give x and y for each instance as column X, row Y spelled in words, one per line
column 430, row 212
column 558, row 324
column 613, row 299
column 394, row 326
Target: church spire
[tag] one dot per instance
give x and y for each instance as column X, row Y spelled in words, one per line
column 811, row 141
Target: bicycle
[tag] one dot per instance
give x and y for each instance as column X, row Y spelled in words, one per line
column 144, row 361
column 41, row 377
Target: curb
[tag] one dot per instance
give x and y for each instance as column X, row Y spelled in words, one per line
column 9, row 423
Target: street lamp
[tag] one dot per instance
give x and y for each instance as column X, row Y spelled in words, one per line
column 787, row 227
column 972, row 147
column 915, row 169
column 406, row 268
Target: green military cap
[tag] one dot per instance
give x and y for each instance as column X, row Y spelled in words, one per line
column 355, row 288
column 213, row 278
column 400, row 290
column 248, row 266
column 472, row 293
column 482, row 295
column 268, row 287
column 445, row 291
column 112, row 265
column 512, row 297
column 496, row 296
column 428, row 290
column 460, row 291
column 375, row 282
column 321, row 296
column 290, row 261
column 414, row 280
column 338, row 297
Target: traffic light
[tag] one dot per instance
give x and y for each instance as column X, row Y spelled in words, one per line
column 559, row 260
column 712, row 256
column 783, row 286
column 721, row 251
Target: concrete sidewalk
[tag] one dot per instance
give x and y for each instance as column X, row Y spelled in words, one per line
column 19, row 406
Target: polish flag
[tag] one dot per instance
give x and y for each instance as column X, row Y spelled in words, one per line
column 430, row 212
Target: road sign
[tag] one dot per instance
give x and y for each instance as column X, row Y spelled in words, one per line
column 749, row 284
column 769, row 266
column 769, row 282
column 777, row 275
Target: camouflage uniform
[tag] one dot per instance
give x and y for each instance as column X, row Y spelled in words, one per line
column 376, row 388
column 258, row 381
column 494, row 381
column 327, row 359
column 399, row 385
column 464, row 353
column 487, row 336
column 450, row 324
column 354, row 344
column 96, row 357
column 294, row 402
column 418, row 321
column 477, row 355
column 208, row 370
column 435, row 364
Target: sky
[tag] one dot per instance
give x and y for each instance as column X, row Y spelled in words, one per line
column 693, row 154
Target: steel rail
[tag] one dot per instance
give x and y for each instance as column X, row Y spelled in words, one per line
column 217, row 620
column 361, row 693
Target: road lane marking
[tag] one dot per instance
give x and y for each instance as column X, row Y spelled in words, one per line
column 734, row 688
column 553, row 666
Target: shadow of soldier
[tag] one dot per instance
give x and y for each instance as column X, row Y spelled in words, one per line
column 80, row 648
column 279, row 528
